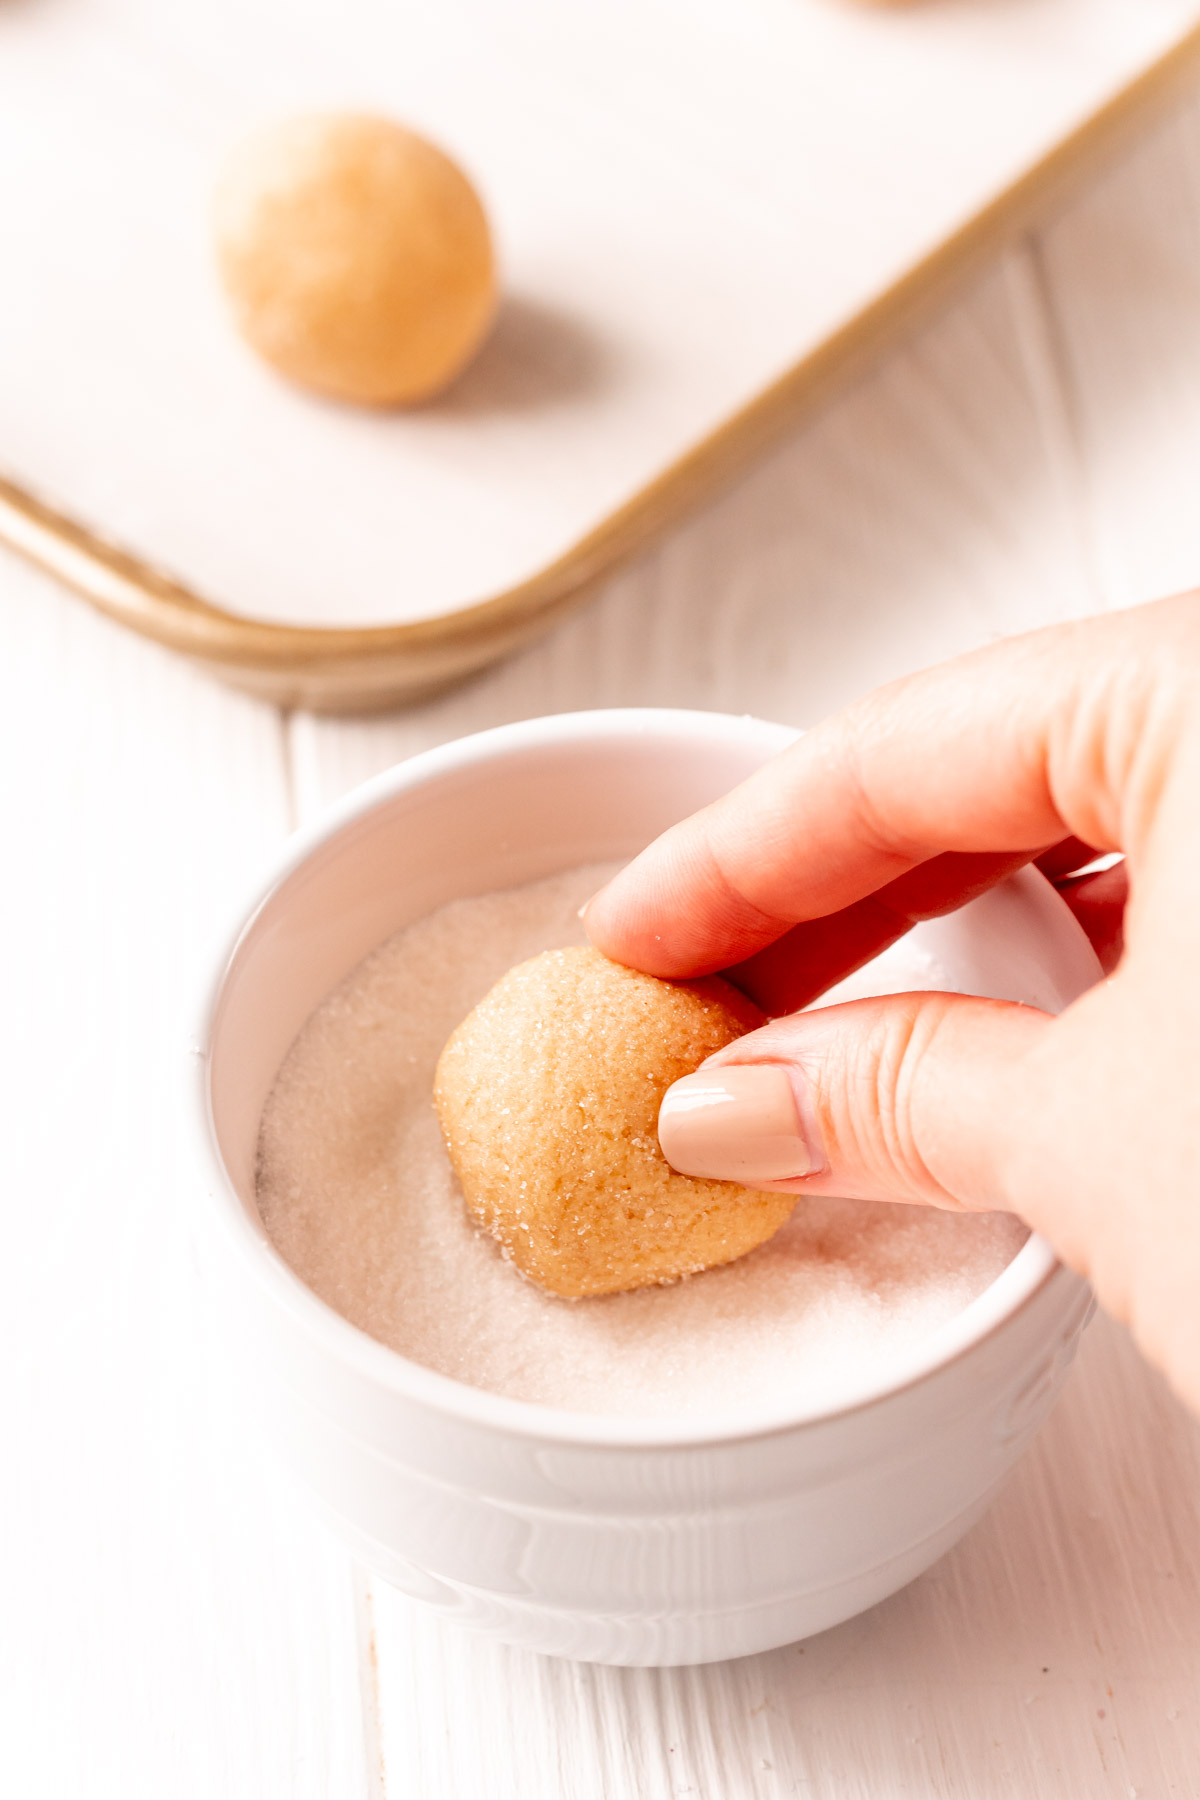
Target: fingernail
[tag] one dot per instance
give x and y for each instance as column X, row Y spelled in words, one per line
column 736, row 1123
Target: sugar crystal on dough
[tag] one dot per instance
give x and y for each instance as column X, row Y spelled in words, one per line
column 548, row 1096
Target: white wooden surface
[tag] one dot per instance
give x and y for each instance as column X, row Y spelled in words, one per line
column 690, row 197
column 171, row 1624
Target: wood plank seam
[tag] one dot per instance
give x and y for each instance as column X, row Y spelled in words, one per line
column 284, row 715
column 1039, row 334
column 368, row 1676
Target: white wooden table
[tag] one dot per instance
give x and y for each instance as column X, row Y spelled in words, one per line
column 171, row 1624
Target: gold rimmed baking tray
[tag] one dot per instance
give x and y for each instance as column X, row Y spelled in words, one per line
column 664, row 430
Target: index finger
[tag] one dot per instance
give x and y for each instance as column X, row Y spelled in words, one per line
column 998, row 754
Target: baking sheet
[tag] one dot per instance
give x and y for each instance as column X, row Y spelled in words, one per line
column 690, row 197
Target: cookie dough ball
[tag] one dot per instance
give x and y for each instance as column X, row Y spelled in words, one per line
column 356, row 257
column 548, row 1095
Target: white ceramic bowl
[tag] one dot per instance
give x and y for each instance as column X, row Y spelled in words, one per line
column 610, row 1539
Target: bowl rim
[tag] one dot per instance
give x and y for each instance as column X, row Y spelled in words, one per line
column 1030, row 1271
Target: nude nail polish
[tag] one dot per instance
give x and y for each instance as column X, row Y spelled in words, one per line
column 735, row 1123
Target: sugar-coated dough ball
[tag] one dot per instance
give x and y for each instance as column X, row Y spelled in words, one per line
column 548, row 1095
column 356, row 257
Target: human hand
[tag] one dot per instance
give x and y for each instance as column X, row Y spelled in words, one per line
column 1057, row 747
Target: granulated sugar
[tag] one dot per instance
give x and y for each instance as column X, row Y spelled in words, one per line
column 357, row 1194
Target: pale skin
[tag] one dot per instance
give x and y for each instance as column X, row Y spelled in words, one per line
column 1058, row 746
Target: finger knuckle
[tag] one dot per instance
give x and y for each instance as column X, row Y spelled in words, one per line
column 890, row 1109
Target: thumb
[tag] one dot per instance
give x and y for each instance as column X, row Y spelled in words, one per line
column 911, row 1098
